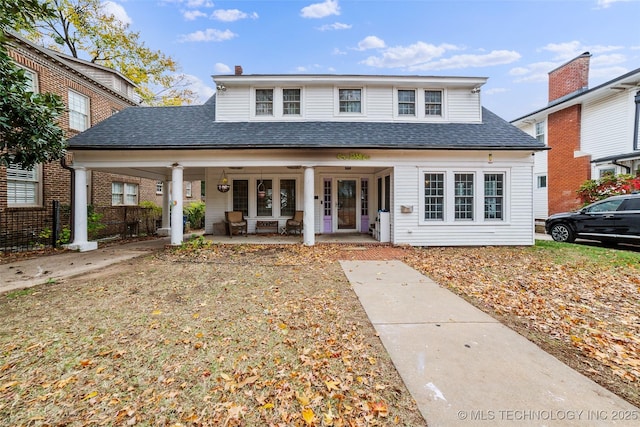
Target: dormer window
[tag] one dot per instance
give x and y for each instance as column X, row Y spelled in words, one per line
column 350, row 100
column 406, row 102
column 291, row 102
column 433, row 103
column 264, row 102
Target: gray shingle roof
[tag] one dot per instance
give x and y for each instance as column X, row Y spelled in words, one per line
column 193, row 127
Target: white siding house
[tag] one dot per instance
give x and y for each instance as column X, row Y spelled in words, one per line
column 344, row 149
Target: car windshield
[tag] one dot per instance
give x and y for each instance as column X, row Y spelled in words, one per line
column 606, row 206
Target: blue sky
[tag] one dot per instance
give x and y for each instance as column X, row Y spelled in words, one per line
column 514, row 43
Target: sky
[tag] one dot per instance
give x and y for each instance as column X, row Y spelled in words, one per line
column 513, row 43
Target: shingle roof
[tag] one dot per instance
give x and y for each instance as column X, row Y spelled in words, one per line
column 193, row 127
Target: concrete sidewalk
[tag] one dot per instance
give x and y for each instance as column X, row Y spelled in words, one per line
column 465, row 368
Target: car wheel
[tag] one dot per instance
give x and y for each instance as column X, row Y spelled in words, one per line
column 562, row 233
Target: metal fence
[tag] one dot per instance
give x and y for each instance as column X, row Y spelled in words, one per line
column 50, row 227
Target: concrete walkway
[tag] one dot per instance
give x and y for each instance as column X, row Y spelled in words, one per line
column 465, row 368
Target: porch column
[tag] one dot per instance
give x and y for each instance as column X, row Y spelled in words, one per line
column 309, row 237
column 176, row 205
column 80, row 233
column 166, row 209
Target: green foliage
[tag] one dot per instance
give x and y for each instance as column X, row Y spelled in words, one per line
column 63, row 238
column 609, row 185
column 94, row 222
column 196, row 243
column 603, row 258
column 20, row 293
column 195, row 214
column 29, row 133
column 86, row 26
column 154, row 211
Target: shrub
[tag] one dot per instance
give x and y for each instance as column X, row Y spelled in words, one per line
column 609, row 185
column 195, row 214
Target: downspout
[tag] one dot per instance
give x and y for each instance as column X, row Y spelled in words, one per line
column 637, row 122
column 63, row 163
column 628, row 168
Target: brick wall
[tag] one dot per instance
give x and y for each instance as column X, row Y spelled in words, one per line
column 570, row 77
column 565, row 171
column 54, row 77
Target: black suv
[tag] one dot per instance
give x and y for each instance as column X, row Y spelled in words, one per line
column 615, row 219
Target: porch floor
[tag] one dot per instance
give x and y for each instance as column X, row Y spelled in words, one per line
column 266, row 239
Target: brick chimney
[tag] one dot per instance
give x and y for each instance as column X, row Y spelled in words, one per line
column 570, row 77
column 238, row 70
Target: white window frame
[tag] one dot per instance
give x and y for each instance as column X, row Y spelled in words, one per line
column 363, row 97
column 256, row 101
column 127, row 194
column 299, row 102
column 478, row 197
column 188, row 188
column 539, row 179
column 540, row 131
column 33, row 85
column 397, row 103
column 442, row 104
column 75, row 115
column 29, row 181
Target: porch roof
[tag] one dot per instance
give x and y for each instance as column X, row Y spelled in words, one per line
column 194, row 127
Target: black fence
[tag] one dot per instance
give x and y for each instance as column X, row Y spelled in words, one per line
column 50, row 227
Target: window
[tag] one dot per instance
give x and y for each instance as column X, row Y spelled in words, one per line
column 287, row 197
column 264, row 102
column 124, row 193
column 31, row 85
column 241, row 196
column 407, row 102
column 327, row 197
column 364, row 197
column 78, row 111
column 463, row 196
column 608, row 171
column 187, row 189
column 542, row 181
column 494, row 196
column 159, row 187
column 350, row 100
column 540, row 128
column 291, row 102
column 433, row 196
column 265, row 203
column 433, row 103
column 23, row 186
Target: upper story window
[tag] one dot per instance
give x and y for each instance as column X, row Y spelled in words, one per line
column 406, row 102
column 188, row 188
column 291, row 102
column 540, row 128
column 159, row 187
column 350, row 100
column 433, row 103
column 23, row 186
column 78, row 111
column 264, row 102
column 31, row 84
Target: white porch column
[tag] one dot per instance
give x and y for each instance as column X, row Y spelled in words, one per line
column 80, row 233
column 176, row 205
column 165, row 230
column 309, row 237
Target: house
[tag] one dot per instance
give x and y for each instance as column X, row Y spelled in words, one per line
column 92, row 93
column 415, row 158
column 591, row 132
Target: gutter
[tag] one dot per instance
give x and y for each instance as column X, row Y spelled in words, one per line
column 628, row 168
column 637, row 122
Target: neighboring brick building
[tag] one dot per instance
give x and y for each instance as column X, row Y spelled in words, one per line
column 590, row 132
column 91, row 93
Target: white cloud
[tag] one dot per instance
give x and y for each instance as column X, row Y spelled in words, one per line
column 191, row 3
column 335, row 26
column 608, row 60
column 493, row 58
column 603, row 4
column 495, row 90
column 533, row 73
column 408, row 56
column 337, row 51
column 221, row 68
column 208, row 35
column 199, row 87
column 371, row 42
column 321, row 10
column 230, row 15
column 191, row 15
column 117, row 10
column 607, row 73
column 569, row 50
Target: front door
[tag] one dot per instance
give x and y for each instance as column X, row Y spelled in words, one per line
column 347, row 209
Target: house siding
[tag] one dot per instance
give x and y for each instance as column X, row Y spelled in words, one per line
column 607, row 127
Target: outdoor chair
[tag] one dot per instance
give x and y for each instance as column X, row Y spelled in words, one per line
column 235, row 222
column 295, row 224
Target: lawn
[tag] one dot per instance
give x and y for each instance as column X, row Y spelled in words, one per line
column 274, row 335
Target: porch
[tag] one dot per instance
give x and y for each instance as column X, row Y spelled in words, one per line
column 278, row 239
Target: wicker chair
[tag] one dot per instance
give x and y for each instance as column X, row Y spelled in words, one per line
column 295, row 224
column 235, row 222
